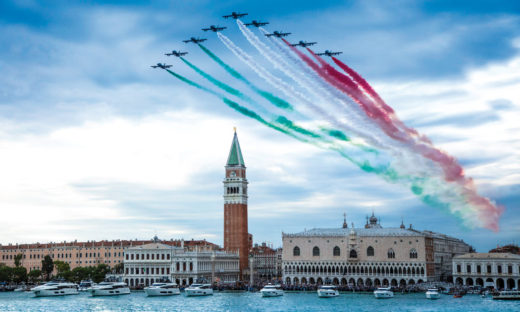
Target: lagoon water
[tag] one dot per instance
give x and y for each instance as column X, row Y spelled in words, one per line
column 304, row 302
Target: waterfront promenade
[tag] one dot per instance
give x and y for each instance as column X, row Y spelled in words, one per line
column 245, row 301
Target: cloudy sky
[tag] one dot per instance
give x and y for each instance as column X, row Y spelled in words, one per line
column 94, row 144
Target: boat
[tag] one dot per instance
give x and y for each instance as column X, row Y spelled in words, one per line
column 20, row 288
column 328, row 291
column 433, row 293
column 507, row 295
column 271, row 290
column 457, row 295
column 199, row 290
column 55, row 289
column 162, row 289
column 109, row 289
column 85, row 285
column 383, row 293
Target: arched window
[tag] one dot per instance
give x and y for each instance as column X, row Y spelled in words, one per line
column 391, row 253
column 315, row 251
column 370, row 251
column 336, row 251
column 353, row 254
column 296, row 251
column 413, row 254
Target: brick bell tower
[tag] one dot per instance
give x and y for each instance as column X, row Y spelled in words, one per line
column 235, row 205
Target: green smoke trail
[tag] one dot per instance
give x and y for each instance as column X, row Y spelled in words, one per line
column 278, row 102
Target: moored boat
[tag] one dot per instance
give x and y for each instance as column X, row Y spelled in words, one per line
column 271, row 290
column 383, row 293
column 507, row 295
column 162, row 289
column 85, row 285
column 55, row 289
column 328, row 291
column 433, row 293
column 109, row 289
column 199, row 290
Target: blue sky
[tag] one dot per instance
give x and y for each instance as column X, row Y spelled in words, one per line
column 94, row 144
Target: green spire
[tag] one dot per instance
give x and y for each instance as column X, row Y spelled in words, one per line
column 235, row 154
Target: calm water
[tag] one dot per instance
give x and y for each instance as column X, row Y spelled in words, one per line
column 138, row 301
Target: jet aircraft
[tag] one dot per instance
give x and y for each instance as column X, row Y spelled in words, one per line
column 303, row 44
column 159, row 65
column 256, row 23
column 329, row 53
column 194, row 40
column 176, row 53
column 214, row 28
column 234, row 15
column 278, row 34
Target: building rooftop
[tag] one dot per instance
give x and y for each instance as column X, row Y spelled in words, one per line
column 235, row 154
column 488, row 255
column 358, row 231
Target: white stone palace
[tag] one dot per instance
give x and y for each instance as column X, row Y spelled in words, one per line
column 146, row 264
column 498, row 270
column 369, row 256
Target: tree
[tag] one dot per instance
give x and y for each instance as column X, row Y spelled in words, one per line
column 80, row 273
column 18, row 260
column 47, row 266
column 99, row 273
column 6, row 273
column 19, row 274
column 63, row 270
column 34, row 275
column 119, row 268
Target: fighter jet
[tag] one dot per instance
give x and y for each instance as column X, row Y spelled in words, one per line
column 214, row 28
column 303, row 44
column 176, row 53
column 256, row 24
column 194, row 40
column 329, row 53
column 278, row 34
column 159, row 65
column 234, row 15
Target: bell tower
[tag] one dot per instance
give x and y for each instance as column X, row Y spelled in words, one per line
column 235, row 205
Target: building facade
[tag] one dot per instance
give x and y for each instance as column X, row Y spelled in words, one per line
column 265, row 263
column 497, row 270
column 154, row 262
column 236, row 236
column 369, row 256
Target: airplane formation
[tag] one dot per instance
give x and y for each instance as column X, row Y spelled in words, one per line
column 254, row 23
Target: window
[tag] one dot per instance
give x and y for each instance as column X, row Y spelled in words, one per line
column 391, row 253
column 353, row 254
column 315, row 251
column 413, row 253
column 468, row 268
column 510, row 269
column 370, row 251
column 296, row 251
column 479, row 270
column 458, row 268
column 489, row 268
column 499, row 269
column 336, row 251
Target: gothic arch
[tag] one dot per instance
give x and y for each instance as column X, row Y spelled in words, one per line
column 370, row 251
column 353, row 254
column 336, row 251
column 296, row 251
column 391, row 253
column 315, row 251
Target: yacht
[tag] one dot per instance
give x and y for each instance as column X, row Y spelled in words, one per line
column 328, row 291
column 433, row 293
column 383, row 293
column 162, row 289
column 507, row 295
column 55, row 289
column 85, row 285
column 199, row 290
column 109, row 289
column 271, row 290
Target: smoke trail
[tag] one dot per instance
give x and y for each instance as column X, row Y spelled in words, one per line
column 268, row 96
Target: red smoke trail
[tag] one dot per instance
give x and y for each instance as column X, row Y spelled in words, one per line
column 453, row 171
column 368, row 89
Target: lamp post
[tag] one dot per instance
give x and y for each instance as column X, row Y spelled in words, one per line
column 213, row 268
column 251, row 260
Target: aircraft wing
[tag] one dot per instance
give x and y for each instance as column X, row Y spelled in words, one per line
column 242, row 14
column 186, row 41
column 206, row 29
column 227, row 16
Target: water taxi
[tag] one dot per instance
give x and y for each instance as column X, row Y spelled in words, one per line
column 433, row 294
column 271, row 290
column 383, row 293
column 507, row 295
column 328, row 291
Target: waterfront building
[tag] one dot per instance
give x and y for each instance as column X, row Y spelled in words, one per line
column 368, row 256
column 265, row 262
column 236, row 236
column 497, row 270
column 157, row 261
column 82, row 254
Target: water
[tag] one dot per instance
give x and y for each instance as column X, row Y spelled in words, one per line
column 305, row 302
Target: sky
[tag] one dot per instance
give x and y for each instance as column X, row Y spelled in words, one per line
column 95, row 144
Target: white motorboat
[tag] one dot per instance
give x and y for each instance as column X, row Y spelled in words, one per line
column 433, row 293
column 162, row 289
column 271, row 290
column 55, row 289
column 328, row 291
column 199, row 290
column 85, row 285
column 109, row 289
column 507, row 295
column 383, row 293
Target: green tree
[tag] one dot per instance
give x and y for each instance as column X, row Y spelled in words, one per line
column 100, row 271
column 19, row 274
column 34, row 276
column 119, row 268
column 80, row 273
column 47, row 267
column 6, row 273
column 63, row 270
column 18, row 260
